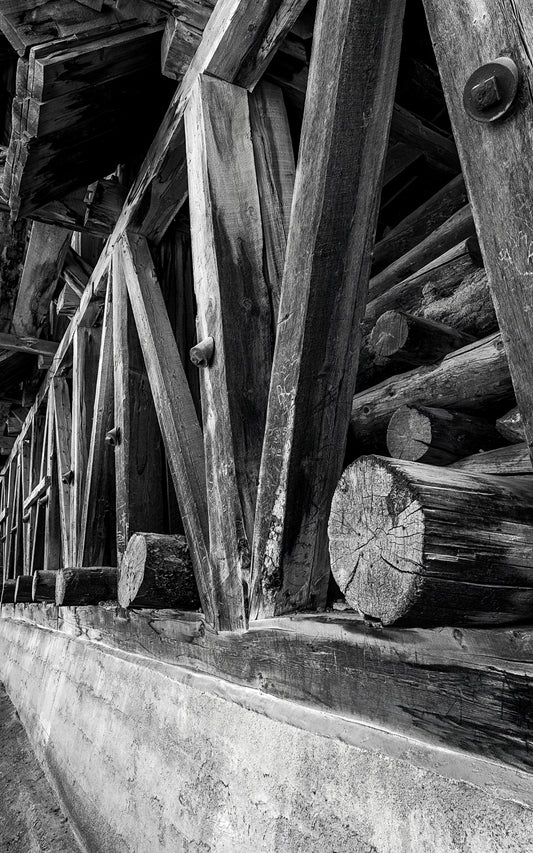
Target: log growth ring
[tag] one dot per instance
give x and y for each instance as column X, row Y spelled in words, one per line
column 359, row 547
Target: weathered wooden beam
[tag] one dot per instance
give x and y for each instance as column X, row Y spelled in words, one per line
column 157, row 572
column 333, row 218
column 50, row 501
column 80, row 587
column 234, row 310
column 76, row 271
column 175, row 409
column 426, row 545
column 510, row 425
column 503, row 205
column 237, row 44
column 27, row 344
column 8, row 591
column 63, row 441
column 98, row 506
column 68, row 302
column 37, row 493
column 84, row 378
column 138, row 450
column 23, row 589
column 438, row 147
column 42, row 266
column 104, row 200
column 469, row 379
column 503, row 461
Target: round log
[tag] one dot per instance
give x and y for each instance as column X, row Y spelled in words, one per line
column 44, row 586
column 8, row 592
column 410, row 341
column 423, row 545
column 23, row 589
column 156, row 571
column 79, row 587
column 503, row 461
column 437, row 436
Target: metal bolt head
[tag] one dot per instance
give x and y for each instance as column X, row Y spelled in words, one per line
column 491, row 90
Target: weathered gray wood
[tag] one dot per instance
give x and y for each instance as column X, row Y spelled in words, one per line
column 80, row 587
column 27, row 344
column 8, row 591
column 63, row 439
column 406, row 341
column 503, row 206
column 175, row 409
column 138, row 451
column 458, row 227
column 234, row 309
column 510, row 425
column 469, row 379
column 97, row 525
column 157, row 572
column 23, row 589
column 420, row 224
column 44, row 586
column 422, row 544
column 52, row 517
column 333, row 219
column 275, row 169
column 503, row 461
column 42, row 265
column 438, row 147
column 437, row 436
column 104, row 202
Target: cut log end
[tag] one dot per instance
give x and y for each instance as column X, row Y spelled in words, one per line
column 376, row 520
column 86, row 586
column 156, row 571
column 389, row 335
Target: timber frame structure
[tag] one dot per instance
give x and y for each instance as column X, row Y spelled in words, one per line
column 244, row 452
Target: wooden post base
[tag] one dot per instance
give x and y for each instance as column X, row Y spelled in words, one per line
column 8, row 592
column 23, row 589
column 44, row 586
column 79, row 587
column 157, row 572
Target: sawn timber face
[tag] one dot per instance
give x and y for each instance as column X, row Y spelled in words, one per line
column 469, row 689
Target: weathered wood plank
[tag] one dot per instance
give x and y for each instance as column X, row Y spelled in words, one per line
column 464, row 39
column 97, row 512
column 175, row 409
column 325, row 282
column 234, row 309
column 27, row 344
column 139, row 463
column 63, row 439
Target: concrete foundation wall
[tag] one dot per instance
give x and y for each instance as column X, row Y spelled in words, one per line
column 148, row 759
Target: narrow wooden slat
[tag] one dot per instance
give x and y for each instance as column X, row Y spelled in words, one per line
column 32, row 346
column 37, row 493
column 139, row 464
column 63, row 437
column 85, row 358
column 99, row 498
column 175, row 409
column 52, row 522
column 495, row 160
column 342, row 151
column 233, row 309
column 275, row 168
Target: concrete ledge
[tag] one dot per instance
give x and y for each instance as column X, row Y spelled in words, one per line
column 152, row 757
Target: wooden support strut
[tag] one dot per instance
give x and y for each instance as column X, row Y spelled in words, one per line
column 342, row 152
column 426, row 545
column 23, row 589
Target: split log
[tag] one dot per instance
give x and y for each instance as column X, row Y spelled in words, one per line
column 432, row 546
column 23, row 589
column 420, row 223
column 410, row 341
column 44, row 586
column 437, row 436
column 8, row 592
column 510, row 426
column 156, row 571
column 79, row 587
column 504, row 461
column 458, row 227
column 474, row 377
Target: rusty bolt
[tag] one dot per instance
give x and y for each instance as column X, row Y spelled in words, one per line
column 491, row 90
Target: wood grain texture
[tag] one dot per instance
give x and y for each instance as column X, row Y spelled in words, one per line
column 90, row 585
column 139, row 463
column 234, row 309
column 157, row 572
column 465, row 36
column 325, row 282
column 510, row 425
column 63, row 439
column 426, row 545
column 97, row 524
column 469, row 379
column 503, row 461
column 464, row 689
column 175, row 410
column 27, row 344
